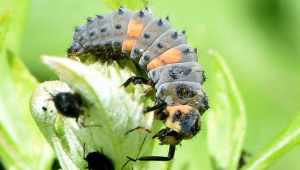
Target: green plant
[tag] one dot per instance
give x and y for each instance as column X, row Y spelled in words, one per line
column 99, row 86
column 22, row 145
column 225, row 123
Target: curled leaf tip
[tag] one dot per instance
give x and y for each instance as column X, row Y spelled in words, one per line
column 109, row 111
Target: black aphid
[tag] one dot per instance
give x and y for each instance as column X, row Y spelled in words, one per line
column 98, row 161
column 68, row 104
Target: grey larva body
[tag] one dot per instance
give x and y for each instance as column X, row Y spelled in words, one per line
column 170, row 63
column 119, row 21
column 188, row 71
column 167, row 40
column 182, row 92
column 151, row 32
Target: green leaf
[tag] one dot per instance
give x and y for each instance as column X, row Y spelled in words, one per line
column 135, row 4
column 107, row 105
column 131, row 4
column 226, row 119
column 113, row 3
column 5, row 18
column 18, row 10
column 287, row 140
column 22, row 145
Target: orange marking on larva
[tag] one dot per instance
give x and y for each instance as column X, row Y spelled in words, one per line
column 154, row 64
column 182, row 108
column 173, row 125
column 171, row 110
column 128, row 44
column 171, row 56
column 135, row 29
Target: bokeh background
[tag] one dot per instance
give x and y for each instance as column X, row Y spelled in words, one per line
column 259, row 39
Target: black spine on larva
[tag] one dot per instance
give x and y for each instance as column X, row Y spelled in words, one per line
column 177, row 79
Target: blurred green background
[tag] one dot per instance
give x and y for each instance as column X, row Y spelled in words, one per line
column 260, row 39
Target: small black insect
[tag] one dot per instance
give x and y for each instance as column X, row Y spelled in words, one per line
column 98, row 161
column 1, row 166
column 68, row 104
column 55, row 165
column 243, row 159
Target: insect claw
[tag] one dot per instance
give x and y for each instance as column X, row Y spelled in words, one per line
column 138, row 128
column 131, row 159
column 89, row 19
column 155, row 136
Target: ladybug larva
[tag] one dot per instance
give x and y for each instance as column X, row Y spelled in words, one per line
column 169, row 64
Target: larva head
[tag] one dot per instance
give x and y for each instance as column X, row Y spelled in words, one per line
column 182, row 122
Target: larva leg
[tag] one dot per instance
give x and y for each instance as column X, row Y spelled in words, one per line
column 149, row 92
column 160, row 105
column 138, row 128
column 137, row 80
column 170, row 156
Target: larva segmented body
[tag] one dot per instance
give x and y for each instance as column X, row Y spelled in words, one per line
column 169, row 62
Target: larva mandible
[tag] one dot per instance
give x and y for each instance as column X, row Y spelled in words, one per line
column 169, row 62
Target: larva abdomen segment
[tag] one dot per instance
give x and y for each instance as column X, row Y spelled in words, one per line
column 152, row 31
column 167, row 40
column 119, row 21
column 99, row 30
column 183, row 93
column 179, row 54
column 135, row 27
column 80, row 40
column 188, row 71
column 93, row 37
